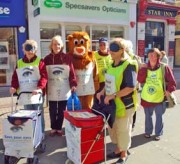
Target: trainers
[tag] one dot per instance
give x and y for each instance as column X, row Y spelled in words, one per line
column 147, row 136
column 113, row 155
column 157, row 138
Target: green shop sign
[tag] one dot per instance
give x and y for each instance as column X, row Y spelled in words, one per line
column 53, row 3
column 91, row 9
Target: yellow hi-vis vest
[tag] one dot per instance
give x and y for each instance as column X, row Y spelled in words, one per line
column 117, row 74
column 21, row 64
column 103, row 63
column 153, row 87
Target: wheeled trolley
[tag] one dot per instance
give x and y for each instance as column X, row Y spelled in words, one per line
column 22, row 135
column 85, row 137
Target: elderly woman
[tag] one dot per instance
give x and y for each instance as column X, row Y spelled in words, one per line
column 153, row 94
column 122, row 89
column 30, row 75
column 61, row 81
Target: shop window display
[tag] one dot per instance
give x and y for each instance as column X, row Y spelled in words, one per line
column 8, row 54
column 108, row 32
column 48, row 30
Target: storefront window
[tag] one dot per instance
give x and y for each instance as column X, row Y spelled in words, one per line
column 47, row 32
column 97, row 32
column 105, row 32
column 177, row 52
column 116, row 32
column 8, row 54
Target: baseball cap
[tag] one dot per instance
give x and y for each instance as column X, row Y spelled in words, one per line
column 29, row 47
column 114, row 47
column 103, row 40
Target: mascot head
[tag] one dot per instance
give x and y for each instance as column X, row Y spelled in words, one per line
column 79, row 44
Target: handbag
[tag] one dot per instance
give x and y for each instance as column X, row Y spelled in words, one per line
column 171, row 100
column 73, row 102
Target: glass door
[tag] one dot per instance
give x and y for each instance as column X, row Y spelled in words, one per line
column 154, row 36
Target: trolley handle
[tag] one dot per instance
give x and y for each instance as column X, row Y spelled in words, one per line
column 28, row 92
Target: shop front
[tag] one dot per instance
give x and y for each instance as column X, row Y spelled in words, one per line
column 12, row 34
column 101, row 18
column 156, row 28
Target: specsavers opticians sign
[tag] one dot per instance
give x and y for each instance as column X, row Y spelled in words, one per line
column 91, row 9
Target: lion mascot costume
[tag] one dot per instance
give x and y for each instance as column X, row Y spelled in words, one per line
column 85, row 67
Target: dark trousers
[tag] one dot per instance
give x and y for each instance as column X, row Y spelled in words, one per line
column 56, row 112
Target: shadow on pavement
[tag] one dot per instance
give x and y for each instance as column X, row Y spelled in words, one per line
column 139, row 140
column 55, row 149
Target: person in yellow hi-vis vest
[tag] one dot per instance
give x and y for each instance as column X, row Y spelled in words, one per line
column 30, row 75
column 136, row 58
column 120, row 86
column 103, row 60
column 153, row 94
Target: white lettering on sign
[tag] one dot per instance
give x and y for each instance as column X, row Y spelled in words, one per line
column 4, row 10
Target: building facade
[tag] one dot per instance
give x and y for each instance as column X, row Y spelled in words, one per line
column 100, row 18
column 13, row 32
column 156, row 28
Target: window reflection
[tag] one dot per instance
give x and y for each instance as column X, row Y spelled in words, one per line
column 48, row 31
column 154, row 28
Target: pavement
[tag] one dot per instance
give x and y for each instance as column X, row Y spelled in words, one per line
column 142, row 151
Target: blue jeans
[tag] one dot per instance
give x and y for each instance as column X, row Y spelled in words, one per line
column 159, row 124
column 36, row 107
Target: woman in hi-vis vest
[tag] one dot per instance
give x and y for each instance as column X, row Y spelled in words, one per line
column 61, row 81
column 120, row 86
column 30, row 75
column 103, row 60
column 153, row 94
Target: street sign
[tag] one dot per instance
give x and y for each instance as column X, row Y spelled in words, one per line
column 36, row 12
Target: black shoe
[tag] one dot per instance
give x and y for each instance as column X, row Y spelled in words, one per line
column 121, row 161
column 113, row 155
